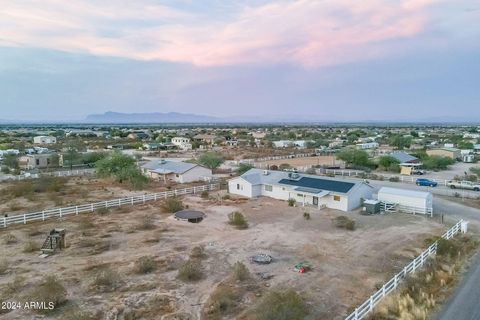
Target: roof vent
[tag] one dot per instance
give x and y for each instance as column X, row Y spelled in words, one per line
column 293, row 175
column 162, row 161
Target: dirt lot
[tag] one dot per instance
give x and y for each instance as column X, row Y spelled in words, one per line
column 308, row 161
column 55, row 192
column 346, row 265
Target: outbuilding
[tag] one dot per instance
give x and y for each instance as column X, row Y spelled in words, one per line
column 410, row 201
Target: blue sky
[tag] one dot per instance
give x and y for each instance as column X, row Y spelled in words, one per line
column 324, row 60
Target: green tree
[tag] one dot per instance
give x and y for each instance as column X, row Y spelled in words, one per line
column 400, row 142
column 122, row 168
column 389, row 163
column 244, row 167
column 11, row 161
column 437, row 163
column 355, row 158
column 211, row 160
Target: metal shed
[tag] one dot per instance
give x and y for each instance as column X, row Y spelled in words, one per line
column 410, row 201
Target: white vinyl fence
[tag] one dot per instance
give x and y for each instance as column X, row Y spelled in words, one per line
column 63, row 173
column 90, row 207
column 366, row 307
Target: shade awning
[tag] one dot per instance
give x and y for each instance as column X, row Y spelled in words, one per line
column 316, row 192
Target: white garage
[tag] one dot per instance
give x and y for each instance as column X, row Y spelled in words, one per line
column 411, row 201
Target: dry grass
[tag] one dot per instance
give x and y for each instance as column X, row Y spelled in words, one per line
column 198, row 252
column 145, row 265
column 31, row 246
column 3, row 266
column 238, row 220
column 172, row 205
column 106, row 280
column 281, row 304
column 421, row 292
column 344, row 222
column 9, row 238
column 240, row 272
column 146, row 223
column 49, row 290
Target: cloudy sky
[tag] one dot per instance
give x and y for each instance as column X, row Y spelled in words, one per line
column 322, row 59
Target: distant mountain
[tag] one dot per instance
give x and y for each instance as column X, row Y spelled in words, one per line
column 155, row 117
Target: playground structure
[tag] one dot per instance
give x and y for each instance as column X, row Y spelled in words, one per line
column 55, row 240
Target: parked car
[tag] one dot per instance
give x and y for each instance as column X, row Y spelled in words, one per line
column 468, row 185
column 418, row 172
column 426, row 182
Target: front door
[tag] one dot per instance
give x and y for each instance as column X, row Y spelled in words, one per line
column 315, row 201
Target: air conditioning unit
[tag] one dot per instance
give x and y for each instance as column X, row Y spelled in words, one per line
column 266, row 173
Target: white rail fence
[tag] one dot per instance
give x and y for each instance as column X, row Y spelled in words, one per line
column 63, row 173
column 91, row 207
column 366, row 307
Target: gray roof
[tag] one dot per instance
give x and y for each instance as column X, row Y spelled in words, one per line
column 165, row 166
column 403, row 157
column 304, row 182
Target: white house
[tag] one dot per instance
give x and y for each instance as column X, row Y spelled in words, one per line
column 177, row 171
column 407, row 200
column 367, row 145
column 306, row 190
column 182, row 142
column 44, row 140
column 300, row 144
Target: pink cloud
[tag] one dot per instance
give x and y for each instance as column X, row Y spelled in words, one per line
column 306, row 32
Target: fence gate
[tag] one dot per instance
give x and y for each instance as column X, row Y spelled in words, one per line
column 389, row 207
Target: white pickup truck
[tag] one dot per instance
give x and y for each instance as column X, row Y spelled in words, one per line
column 463, row 185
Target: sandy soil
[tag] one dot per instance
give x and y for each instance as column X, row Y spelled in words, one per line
column 347, row 265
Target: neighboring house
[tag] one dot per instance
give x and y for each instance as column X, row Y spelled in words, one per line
column 336, row 143
column 38, row 161
column 208, row 138
column 182, row 143
column 138, row 135
column 476, row 148
column 258, row 134
column 231, row 142
column 152, row 146
column 452, row 153
column 177, row 171
column 367, row 145
column 9, row 151
column 304, row 189
column 404, row 158
column 44, row 140
column 301, row 144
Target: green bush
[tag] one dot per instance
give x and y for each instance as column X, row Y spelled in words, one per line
column 204, row 195
column 211, row 160
column 102, row 211
column 238, row 220
column 243, row 167
column 172, row 205
column 240, row 271
column 291, row 202
column 190, row 271
column 281, row 305
column 122, row 168
column 145, row 265
column 306, row 216
column 226, row 197
column 49, row 290
column 394, row 179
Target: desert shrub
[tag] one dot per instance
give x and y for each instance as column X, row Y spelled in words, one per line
column 106, row 279
column 102, row 211
column 284, row 166
column 223, row 301
column 85, row 223
column 172, row 205
column 344, row 222
column 204, row 194
column 43, row 184
column 122, row 168
column 330, row 174
column 9, row 238
column 226, row 197
column 31, row 246
column 394, row 179
column 291, row 202
column 49, row 290
column 281, row 305
column 3, row 266
column 14, row 286
column 197, row 252
column 238, row 220
column 244, row 167
column 146, row 223
column 240, row 271
column 191, row 270
column 306, row 216
column 145, row 265
column 447, row 248
column 311, row 171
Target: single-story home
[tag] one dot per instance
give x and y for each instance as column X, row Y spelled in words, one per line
column 404, row 158
column 306, row 190
column 38, row 161
column 182, row 143
column 44, row 140
column 177, row 171
column 452, row 153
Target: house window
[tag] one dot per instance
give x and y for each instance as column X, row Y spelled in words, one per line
column 177, row 175
column 37, row 162
column 238, row 186
column 268, row 188
column 336, row 198
column 299, row 195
